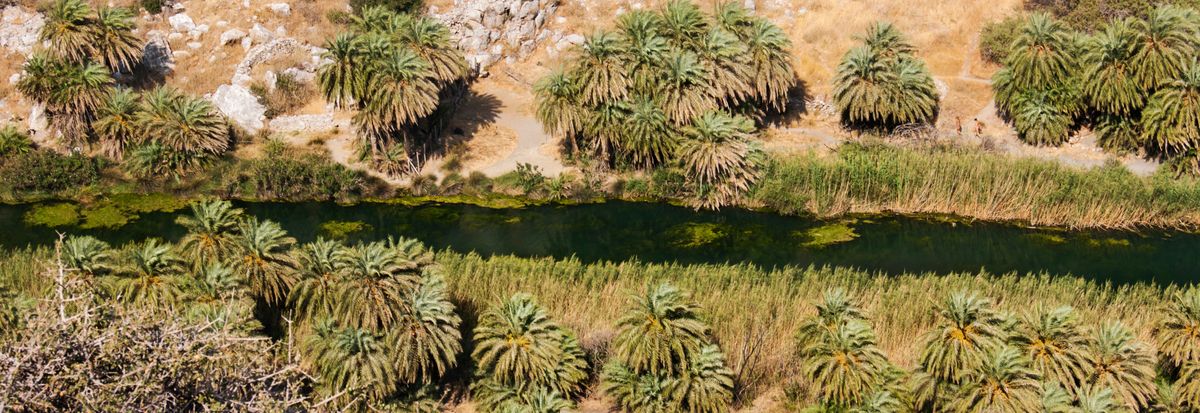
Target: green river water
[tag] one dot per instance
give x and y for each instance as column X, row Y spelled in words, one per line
column 662, row 233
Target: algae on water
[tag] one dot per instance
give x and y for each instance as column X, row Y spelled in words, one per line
column 53, row 215
column 341, row 230
column 826, row 235
column 697, row 234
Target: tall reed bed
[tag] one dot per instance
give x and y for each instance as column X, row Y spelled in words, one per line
column 967, row 182
column 755, row 313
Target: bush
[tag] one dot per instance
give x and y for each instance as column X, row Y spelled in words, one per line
column 152, row 6
column 996, row 38
column 48, row 172
column 288, row 95
column 403, row 6
column 1091, row 15
column 285, row 175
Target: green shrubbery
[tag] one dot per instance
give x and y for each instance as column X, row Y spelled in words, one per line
column 48, row 172
column 1090, row 15
column 996, row 38
column 400, row 6
column 294, row 175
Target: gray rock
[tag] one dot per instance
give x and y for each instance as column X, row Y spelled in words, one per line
column 181, row 23
column 260, row 34
column 304, row 123
column 157, row 56
column 302, row 76
column 240, row 106
column 19, row 29
column 282, row 9
column 232, row 35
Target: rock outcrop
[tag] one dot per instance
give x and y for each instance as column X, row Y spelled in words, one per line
column 240, row 106
column 490, row 30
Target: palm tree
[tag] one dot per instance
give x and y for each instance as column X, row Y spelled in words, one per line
column 374, row 280
column 769, row 49
column 1055, row 344
column 14, row 141
column 718, row 158
column 648, row 137
column 601, row 70
column 1043, row 53
column 633, row 392
column 1178, row 336
column 150, row 275
column 1093, row 399
column 682, row 23
column 604, row 128
column 1003, row 383
column 427, row 341
column 685, row 87
column 215, row 282
column 1172, row 118
column 152, row 160
column 431, row 41
column 861, row 90
column 496, row 397
column 68, row 30
column 211, row 229
column 1045, row 116
column 884, row 39
column 183, row 123
column 87, row 255
column 115, row 122
column 261, row 256
column 643, row 46
column 398, row 92
column 516, row 343
column 660, row 333
column 724, row 57
column 706, row 385
column 967, row 332
column 835, row 310
column 1167, row 38
column 559, row 108
column 882, row 84
column 342, row 80
column 72, row 92
column 1054, row 399
column 844, row 364
column 349, row 359
column 112, row 40
column 1118, row 362
column 314, row 295
column 1187, row 387
column 1109, row 80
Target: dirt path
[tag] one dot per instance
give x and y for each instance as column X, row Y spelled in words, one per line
column 534, row 146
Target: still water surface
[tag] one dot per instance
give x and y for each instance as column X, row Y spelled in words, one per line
column 664, row 233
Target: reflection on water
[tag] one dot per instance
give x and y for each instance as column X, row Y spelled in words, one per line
column 657, row 233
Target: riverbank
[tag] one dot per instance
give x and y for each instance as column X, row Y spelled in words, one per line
column 870, row 178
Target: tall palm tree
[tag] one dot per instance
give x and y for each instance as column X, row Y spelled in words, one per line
column 559, row 108
column 718, row 158
column 682, row 23
column 1003, row 383
column 1109, row 80
column 660, row 333
column 685, row 88
column 1055, row 344
column 1172, row 118
column 1043, row 53
column 72, row 92
column 860, row 88
column 725, row 59
column 68, row 30
column 881, row 84
column 431, row 41
column 211, row 230
column 112, row 40
column 116, row 122
column 398, row 93
column 374, row 281
column 1187, row 387
column 349, row 359
column 968, row 330
column 1045, row 116
column 427, row 341
column 648, row 137
column 314, row 296
column 215, row 282
column 835, row 310
column 1178, row 336
column 261, row 256
column 342, row 80
column 87, row 255
column 150, row 275
column 1095, row 399
column 844, row 365
column 1168, row 45
column 643, row 46
column 601, row 69
column 770, row 52
column 706, row 385
column 517, row 343
column 1119, row 362
column 604, row 128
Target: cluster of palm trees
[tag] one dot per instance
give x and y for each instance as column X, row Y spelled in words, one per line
column 164, row 132
column 1136, row 82
column 375, row 327
column 393, row 69
column 673, row 87
column 976, row 359
column 881, row 84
